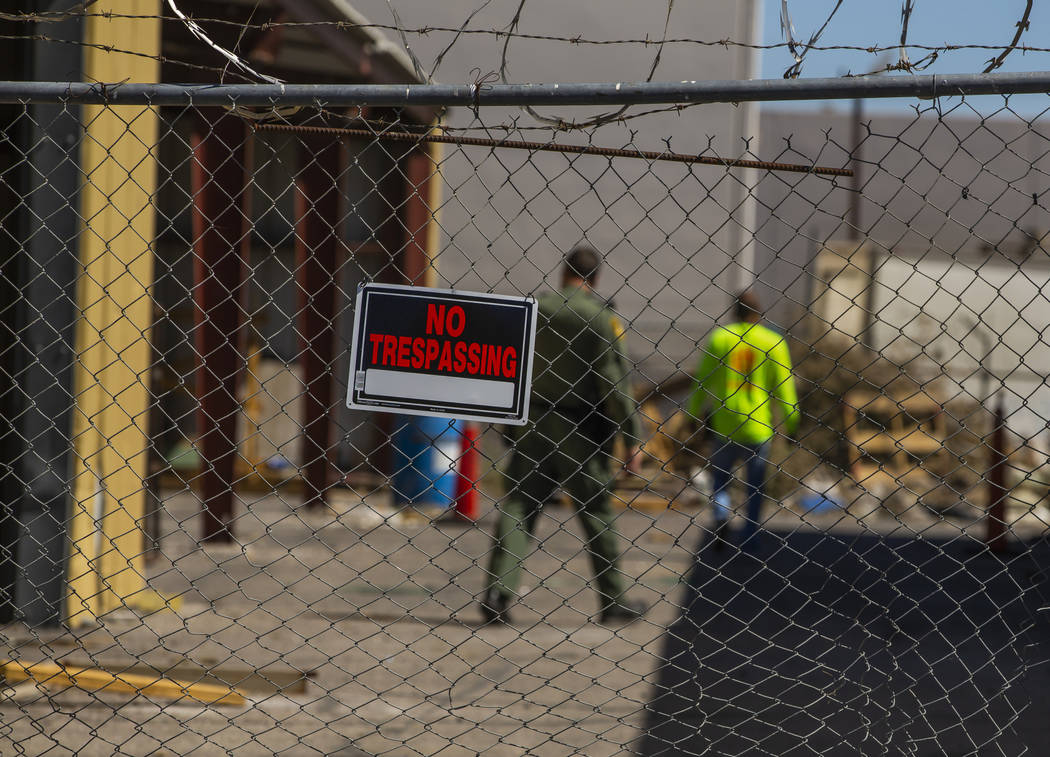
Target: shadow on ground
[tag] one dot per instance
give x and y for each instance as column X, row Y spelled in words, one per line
column 826, row 644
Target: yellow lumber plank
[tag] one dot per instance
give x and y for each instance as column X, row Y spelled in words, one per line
column 94, row 679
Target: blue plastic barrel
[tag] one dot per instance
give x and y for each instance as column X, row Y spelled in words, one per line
column 426, row 451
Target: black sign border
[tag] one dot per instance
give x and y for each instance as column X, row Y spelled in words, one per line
column 461, row 411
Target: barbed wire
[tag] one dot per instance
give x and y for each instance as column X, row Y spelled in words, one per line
column 797, row 50
column 870, row 49
column 558, row 121
column 194, row 28
column 420, row 72
column 906, row 11
column 161, row 58
column 1022, row 27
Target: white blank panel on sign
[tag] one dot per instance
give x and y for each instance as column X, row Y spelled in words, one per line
column 439, row 388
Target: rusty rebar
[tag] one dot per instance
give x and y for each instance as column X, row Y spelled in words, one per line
column 515, row 144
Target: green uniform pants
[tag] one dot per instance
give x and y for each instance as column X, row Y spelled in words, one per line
column 552, row 454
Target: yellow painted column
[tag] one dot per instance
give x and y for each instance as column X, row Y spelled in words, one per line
column 111, row 385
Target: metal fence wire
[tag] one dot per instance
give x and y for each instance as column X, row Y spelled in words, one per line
column 205, row 551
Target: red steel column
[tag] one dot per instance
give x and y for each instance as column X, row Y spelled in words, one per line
column 219, row 227
column 417, row 216
column 316, row 248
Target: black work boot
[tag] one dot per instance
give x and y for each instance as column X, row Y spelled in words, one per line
column 495, row 607
column 623, row 611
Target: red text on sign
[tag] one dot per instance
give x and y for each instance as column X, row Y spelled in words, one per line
column 439, row 321
column 446, row 355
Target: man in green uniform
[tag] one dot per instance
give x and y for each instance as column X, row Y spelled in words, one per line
column 580, row 403
column 743, row 376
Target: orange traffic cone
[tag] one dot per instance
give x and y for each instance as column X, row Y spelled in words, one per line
column 467, row 502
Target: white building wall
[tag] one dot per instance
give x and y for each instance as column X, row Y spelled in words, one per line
column 984, row 323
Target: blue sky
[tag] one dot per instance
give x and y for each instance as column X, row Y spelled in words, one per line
column 933, row 22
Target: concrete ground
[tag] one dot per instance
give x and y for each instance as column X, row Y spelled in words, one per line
column 356, row 631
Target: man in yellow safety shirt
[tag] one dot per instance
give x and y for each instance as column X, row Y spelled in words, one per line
column 744, row 376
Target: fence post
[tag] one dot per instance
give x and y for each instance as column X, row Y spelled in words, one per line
column 995, row 517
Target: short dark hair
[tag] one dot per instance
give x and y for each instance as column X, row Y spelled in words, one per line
column 747, row 306
column 583, row 261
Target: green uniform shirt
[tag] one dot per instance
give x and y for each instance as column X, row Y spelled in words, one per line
column 579, row 368
column 744, row 372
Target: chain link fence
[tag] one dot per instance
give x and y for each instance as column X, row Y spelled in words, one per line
column 205, row 551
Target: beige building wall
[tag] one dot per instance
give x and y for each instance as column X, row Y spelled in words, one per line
column 840, row 304
column 671, row 233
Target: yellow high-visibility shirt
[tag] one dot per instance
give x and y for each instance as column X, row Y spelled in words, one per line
column 743, row 375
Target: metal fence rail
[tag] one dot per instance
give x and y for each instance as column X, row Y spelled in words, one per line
column 203, row 550
column 519, row 95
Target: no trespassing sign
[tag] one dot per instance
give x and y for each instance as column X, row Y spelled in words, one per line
column 443, row 353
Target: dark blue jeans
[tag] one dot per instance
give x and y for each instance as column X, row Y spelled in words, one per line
column 727, row 458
